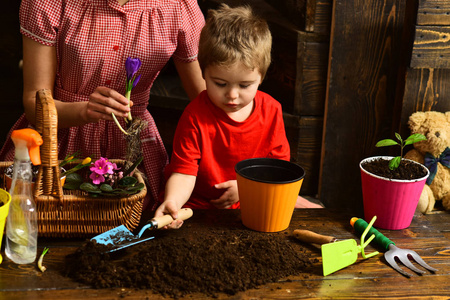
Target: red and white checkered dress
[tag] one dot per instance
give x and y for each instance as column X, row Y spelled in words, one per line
column 93, row 39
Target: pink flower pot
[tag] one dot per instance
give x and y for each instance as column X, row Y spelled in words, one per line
column 393, row 201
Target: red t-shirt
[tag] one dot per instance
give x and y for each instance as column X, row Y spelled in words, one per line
column 208, row 144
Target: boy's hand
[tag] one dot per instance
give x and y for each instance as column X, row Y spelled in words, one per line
column 230, row 195
column 169, row 207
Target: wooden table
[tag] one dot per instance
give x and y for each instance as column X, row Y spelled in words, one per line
column 428, row 235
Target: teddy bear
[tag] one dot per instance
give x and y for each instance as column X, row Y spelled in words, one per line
column 434, row 153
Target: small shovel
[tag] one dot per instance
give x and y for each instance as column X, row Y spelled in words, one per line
column 403, row 255
column 336, row 254
column 120, row 237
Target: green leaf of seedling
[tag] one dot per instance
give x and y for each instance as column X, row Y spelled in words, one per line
column 128, row 181
column 395, row 162
column 386, row 142
column 90, row 188
column 399, row 137
column 417, row 137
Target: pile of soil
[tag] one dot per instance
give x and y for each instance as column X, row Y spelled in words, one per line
column 180, row 262
column 407, row 170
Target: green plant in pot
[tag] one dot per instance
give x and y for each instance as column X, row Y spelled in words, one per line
column 392, row 186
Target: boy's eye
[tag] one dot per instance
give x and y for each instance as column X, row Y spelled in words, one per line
column 244, row 86
column 220, row 84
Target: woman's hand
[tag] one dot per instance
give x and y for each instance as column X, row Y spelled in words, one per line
column 39, row 72
column 104, row 101
column 230, row 195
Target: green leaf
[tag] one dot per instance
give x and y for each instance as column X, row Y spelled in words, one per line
column 90, row 188
column 417, row 137
column 395, row 162
column 74, row 177
column 386, row 142
column 106, row 188
column 128, row 181
column 74, row 185
column 398, row 136
column 134, row 166
column 73, row 181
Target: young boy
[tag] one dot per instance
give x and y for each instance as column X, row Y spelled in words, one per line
column 228, row 122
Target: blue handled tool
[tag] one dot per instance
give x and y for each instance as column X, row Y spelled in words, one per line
column 120, row 237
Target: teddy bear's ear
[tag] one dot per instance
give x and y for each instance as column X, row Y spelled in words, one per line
column 416, row 120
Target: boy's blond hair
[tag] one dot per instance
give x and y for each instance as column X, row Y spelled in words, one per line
column 234, row 35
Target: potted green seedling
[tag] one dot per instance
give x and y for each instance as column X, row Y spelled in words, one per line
column 392, row 186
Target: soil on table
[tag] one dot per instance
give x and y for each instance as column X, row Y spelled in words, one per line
column 180, row 262
column 407, row 170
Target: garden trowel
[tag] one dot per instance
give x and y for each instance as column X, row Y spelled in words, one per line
column 120, row 237
column 336, row 254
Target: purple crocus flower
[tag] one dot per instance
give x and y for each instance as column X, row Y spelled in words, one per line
column 132, row 65
column 136, row 80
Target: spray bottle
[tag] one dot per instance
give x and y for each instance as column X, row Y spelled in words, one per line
column 21, row 224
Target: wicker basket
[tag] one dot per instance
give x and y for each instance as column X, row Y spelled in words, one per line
column 72, row 213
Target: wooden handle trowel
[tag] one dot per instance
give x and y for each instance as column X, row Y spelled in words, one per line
column 336, row 254
column 120, row 237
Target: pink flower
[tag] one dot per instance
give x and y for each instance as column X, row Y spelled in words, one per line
column 97, row 178
column 100, row 166
column 111, row 167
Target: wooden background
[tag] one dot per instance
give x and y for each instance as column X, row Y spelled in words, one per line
column 348, row 73
column 380, row 72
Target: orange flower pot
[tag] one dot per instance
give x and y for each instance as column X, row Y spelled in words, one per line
column 268, row 190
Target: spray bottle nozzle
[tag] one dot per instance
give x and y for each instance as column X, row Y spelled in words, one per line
column 27, row 142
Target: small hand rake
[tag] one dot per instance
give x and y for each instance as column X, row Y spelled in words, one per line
column 393, row 251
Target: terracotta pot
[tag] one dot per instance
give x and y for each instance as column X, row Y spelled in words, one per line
column 268, row 190
column 393, row 201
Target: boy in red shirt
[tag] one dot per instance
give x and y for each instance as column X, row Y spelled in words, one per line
column 228, row 122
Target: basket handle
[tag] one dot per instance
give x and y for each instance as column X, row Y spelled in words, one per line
column 48, row 182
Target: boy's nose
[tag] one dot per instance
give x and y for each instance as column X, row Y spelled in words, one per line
column 232, row 93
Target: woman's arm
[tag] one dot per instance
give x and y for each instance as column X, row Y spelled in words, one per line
column 39, row 72
column 191, row 77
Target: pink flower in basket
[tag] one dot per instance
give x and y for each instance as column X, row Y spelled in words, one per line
column 97, row 178
column 101, row 168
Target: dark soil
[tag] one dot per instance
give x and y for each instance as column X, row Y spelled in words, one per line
column 407, row 170
column 180, row 262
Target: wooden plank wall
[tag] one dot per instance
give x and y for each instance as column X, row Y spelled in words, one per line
column 428, row 77
column 366, row 51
